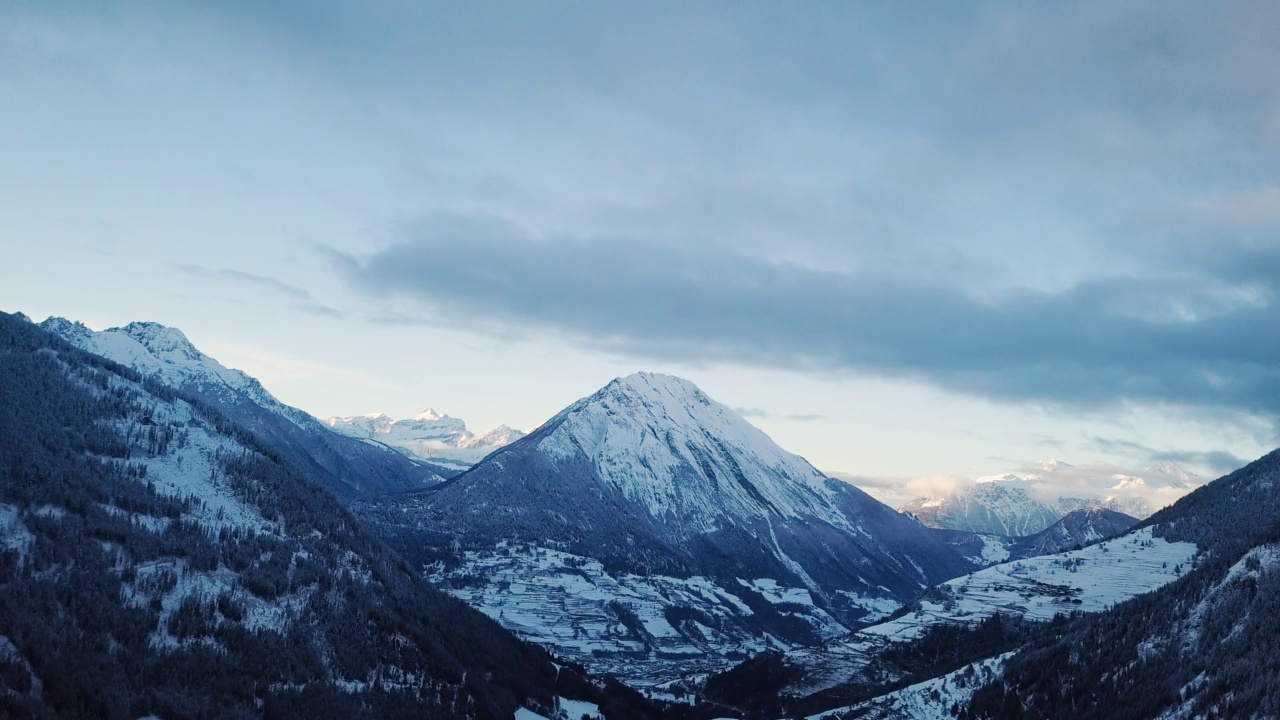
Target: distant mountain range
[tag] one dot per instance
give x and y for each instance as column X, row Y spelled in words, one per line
column 1024, row 504
column 429, row 436
column 1072, row 531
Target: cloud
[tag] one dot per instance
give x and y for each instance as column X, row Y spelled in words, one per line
column 302, row 297
column 245, row 278
column 1220, row 462
column 1162, row 483
column 898, row 491
column 754, row 412
column 1187, row 339
column 319, row 310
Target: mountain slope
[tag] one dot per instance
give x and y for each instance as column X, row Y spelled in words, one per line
column 648, row 479
column 1076, row 529
column 855, row 667
column 430, row 436
column 157, row 559
column 1205, row 646
column 1202, row 643
column 997, row 507
column 347, row 467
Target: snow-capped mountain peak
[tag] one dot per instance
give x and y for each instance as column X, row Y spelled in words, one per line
column 1053, row 464
column 165, row 354
column 1054, row 488
column 1005, row 478
column 163, row 340
column 158, row 350
column 429, row 435
column 667, row 445
column 495, row 438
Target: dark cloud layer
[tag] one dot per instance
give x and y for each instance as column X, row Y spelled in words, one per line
column 1216, row 460
column 1183, row 339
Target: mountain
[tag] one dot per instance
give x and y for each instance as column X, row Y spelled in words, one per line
column 999, row 506
column 1205, row 646
column 1173, row 619
column 951, row 623
column 650, row 531
column 430, row 436
column 1073, row 531
column 347, row 467
column 1028, row 501
column 1076, row 529
column 158, row 559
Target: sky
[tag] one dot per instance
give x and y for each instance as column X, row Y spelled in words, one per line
column 908, row 241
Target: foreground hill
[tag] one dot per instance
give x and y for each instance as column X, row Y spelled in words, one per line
column 158, row 559
column 650, row 530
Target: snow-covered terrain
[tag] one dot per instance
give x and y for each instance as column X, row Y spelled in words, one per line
column 644, row 430
column 603, row 619
column 146, row 534
column 1076, row 529
column 166, row 354
column 929, row 700
column 570, row 709
column 353, row 468
column 1088, row 580
column 438, row 438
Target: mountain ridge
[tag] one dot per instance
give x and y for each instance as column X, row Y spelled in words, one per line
column 351, row 469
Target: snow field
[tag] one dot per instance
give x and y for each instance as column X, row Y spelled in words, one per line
column 569, row 603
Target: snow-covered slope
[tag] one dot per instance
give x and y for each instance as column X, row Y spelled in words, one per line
column 1087, row 580
column 348, row 467
column 166, row 354
column 606, row 620
column 929, row 700
column 650, row 478
column 1076, row 529
column 431, row 436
